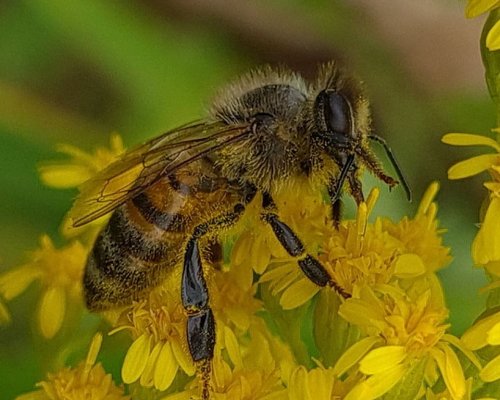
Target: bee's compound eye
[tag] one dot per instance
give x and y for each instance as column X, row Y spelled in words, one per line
column 337, row 113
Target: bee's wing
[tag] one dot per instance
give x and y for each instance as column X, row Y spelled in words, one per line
column 141, row 167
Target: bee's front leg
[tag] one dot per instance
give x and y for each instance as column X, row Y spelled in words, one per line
column 309, row 265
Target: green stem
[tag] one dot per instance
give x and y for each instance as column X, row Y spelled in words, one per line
column 491, row 61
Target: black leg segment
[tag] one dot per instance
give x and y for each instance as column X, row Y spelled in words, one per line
column 201, row 335
column 314, row 271
column 285, row 235
column 309, row 265
column 194, row 290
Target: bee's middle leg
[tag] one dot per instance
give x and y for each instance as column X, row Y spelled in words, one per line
column 309, row 265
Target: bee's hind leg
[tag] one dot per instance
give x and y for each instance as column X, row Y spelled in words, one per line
column 309, row 265
column 195, row 296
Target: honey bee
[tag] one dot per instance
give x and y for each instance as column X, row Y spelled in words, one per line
column 194, row 182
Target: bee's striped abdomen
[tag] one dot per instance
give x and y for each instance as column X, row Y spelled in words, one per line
column 140, row 244
column 144, row 240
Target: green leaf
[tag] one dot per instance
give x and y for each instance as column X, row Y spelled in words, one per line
column 491, row 60
column 332, row 334
column 288, row 324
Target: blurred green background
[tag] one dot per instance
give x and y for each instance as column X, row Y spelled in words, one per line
column 75, row 71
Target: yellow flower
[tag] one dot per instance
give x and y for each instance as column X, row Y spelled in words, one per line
column 234, row 308
column 485, row 332
column 158, row 327
column 359, row 253
column 486, row 245
column 474, row 165
column 87, row 380
column 232, row 298
column 301, row 206
column 478, row 7
column 257, row 375
column 79, row 168
column 317, row 383
column 420, row 238
column 403, row 328
column 59, row 272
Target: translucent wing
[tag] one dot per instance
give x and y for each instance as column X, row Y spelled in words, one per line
column 141, row 167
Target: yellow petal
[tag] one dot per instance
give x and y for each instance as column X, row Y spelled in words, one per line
column 116, row 144
column 493, row 37
column 372, row 199
column 467, row 139
column 460, row 346
column 454, row 378
column 493, row 337
column 136, row 359
column 298, row 385
column 476, row 336
column 381, row 383
column 298, row 293
column 382, row 359
column 359, row 313
column 486, row 245
column 233, row 347
column 63, row 176
column 259, row 255
column 14, row 282
column 493, row 267
column 183, row 358
column 74, row 152
column 451, row 370
column 52, row 310
column 478, row 7
column 147, row 375
column 94, row 348
column 353, row 354
column 409, row 266
column 491, row 371
column 166, row 368
column 428, row 198
column 360, row 391
column 321, row 382
column 472, row 166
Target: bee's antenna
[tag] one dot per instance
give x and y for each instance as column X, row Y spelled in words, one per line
column 394, row 163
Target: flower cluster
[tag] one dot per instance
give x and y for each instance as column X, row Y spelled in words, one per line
column 59, row 272
column 484, row 336
column 486, row 245
column 87, row 380
column 395, row 316
column 385, row 334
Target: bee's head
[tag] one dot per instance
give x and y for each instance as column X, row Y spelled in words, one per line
column 342, row 130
